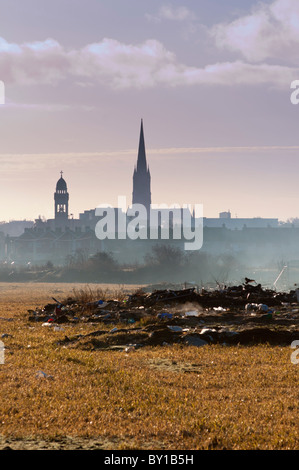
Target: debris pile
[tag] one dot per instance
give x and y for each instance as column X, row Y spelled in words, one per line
column 243, row 314
column 241, row 295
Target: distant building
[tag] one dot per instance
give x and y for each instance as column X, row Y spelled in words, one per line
column 61, row 198
column 62, row 236
column 225, row 215
column 15, row 228
column 235, row 223
column 141, row 176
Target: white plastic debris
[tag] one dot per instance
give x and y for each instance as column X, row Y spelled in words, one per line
column 207, row 330
column 192, row 313
column 219, row 309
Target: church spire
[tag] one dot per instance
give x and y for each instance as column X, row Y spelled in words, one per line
column 141, row 160
column 141, row 176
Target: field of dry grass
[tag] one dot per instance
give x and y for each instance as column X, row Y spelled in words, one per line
column 172, row 397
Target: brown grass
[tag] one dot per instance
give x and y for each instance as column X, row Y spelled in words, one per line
column 171, row 397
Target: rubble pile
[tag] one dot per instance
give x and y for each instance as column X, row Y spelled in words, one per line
column 244, row 314
column 239, row 296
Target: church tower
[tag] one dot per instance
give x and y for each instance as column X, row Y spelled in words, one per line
column 61, row 198
column 141, row 176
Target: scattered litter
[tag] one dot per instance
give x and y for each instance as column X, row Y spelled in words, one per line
column 165, row 315
column 58, row 328
column 101, row 304
column 43, row 375
column 251, row 307
column 192, row 313
column 249, row 313
column 207, row 330
column 265, row 308
column 129, row 349
column 175, row 328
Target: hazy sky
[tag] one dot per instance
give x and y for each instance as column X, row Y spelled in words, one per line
column 211, row 80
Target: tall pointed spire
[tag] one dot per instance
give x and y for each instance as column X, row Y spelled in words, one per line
column 141, row 160
column 142, row 177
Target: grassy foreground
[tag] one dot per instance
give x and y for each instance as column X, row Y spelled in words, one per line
column 170, row 397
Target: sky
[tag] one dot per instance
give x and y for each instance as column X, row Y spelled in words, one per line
column 210, row 79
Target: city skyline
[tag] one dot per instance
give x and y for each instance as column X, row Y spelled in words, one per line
column 213, row 95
